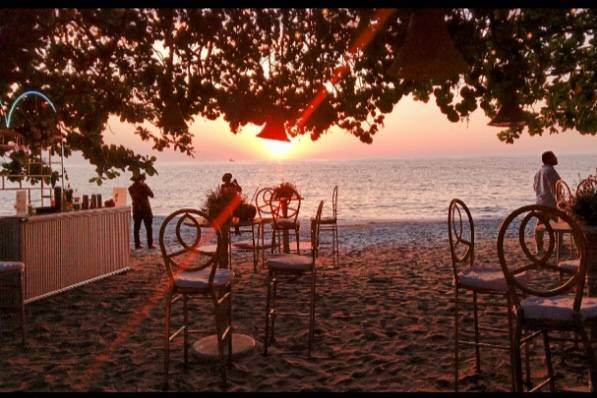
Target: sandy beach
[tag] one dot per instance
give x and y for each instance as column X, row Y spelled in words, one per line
column 384, row 322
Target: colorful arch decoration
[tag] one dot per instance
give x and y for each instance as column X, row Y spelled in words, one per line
column 22, row 96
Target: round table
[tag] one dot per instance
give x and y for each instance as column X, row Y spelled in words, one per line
column 207, row 347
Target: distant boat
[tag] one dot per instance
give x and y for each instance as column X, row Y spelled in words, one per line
column 231, row 160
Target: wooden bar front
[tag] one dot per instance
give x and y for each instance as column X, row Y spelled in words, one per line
column 65, row 250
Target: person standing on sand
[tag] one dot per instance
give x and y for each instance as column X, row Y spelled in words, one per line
column 545, row 189
column 140, row 194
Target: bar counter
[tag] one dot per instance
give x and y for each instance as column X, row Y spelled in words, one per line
column 65, row 250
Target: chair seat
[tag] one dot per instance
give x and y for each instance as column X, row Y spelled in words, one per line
column 290, row 262
column 326, row 220
column 248, row 245
column 200, row 279
column 557, row 308
column 11, row 266
column 263, row 220
column 485, row 279
column 569, row 265
column 243, row 223
column 286, row 224
column 208, row 249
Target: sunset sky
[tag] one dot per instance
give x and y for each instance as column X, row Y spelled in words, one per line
column 413, row 129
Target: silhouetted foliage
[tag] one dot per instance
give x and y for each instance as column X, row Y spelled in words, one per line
column 167, row 66
column 218, row 200
column 584, row 205
column 284, row 190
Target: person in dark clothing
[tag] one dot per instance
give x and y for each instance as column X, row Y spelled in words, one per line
column 140, row 193
column 244, row 211
column 229, row 183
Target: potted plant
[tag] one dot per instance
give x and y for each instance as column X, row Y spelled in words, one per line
column 283, row 193
column 284, row 190
column 584, row 208
column 218, row 207
column 217, row 202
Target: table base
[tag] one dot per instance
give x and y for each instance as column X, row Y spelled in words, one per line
column 207, row 347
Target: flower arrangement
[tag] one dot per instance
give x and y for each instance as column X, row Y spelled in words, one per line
column 584, row 204
column 217, row 200
column 284, row 190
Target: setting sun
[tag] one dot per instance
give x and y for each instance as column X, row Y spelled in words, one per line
column 277, row 149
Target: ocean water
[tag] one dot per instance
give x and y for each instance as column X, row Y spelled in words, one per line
column 369, row 190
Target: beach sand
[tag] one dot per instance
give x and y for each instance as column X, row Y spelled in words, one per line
column 384, row 322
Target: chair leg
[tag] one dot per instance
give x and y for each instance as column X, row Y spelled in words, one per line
column 527, row 365
column 185, row 309
column 456, row 331
column 517, row 357
column 590, row 356
column 511, row 338
column 312, row 312
column 296, row 232
column 335, row 245
column 254, row 249
column 167, row 338
column 22, row 312
column 267, row 312
column 548, row 362
column 230, row 325
column 230, row 251
column 273, row 308
column 219, row 334
column 476, row 323
column 262, row 245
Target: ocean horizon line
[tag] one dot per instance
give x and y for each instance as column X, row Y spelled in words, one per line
column 194, row 161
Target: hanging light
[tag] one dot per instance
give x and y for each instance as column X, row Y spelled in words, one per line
column 428, row 51
column 509, row 115
column 274, row 130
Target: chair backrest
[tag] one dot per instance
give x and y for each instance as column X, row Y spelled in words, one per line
column 262, row 199
column 587, row 185
column 315, row 226
column 285, row 208
column 186, row 239
column 335, row 202
column 563, row 194
column 254, row 196
column 530, row 273
column 461, row 233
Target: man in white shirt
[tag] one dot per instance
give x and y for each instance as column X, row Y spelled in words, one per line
column 545, row 189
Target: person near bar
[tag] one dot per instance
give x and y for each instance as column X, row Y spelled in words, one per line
column 545, row 190
column 140, row 194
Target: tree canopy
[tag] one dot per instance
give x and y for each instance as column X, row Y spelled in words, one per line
column 167, row 66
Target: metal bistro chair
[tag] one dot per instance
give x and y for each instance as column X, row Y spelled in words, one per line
column 563, row 194
column 543, row 302
column 11, row 291
column 588, row 184
column 245, row 226
column 263, row 219
column 293, row 265
column 563, row 200
column 331, row 224
column 191, row 264
column 570, row 264
column 285, row 211
column 469, row 277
